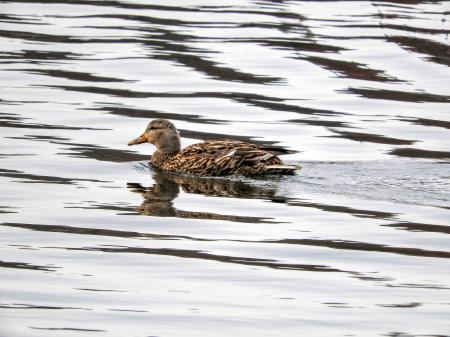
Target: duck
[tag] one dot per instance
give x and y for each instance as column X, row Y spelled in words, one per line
column 209, row 158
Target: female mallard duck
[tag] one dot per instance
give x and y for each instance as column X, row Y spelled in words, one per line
column 210, row 158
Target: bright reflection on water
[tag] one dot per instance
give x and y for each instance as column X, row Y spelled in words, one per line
column 93, row 242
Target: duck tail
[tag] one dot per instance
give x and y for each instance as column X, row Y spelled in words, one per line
column 281, row 169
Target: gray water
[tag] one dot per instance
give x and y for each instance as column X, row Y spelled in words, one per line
column 94, row 243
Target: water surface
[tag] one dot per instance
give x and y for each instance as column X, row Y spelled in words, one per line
column 93, row 242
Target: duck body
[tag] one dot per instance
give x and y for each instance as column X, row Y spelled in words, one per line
column 210, row 158
column 221, row 158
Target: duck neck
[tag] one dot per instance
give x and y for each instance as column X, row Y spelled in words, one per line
column 166, row 147
column 160, row 157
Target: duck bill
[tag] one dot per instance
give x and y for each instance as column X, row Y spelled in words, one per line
column 139, row 140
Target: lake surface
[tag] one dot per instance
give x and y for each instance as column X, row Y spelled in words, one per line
column 95, row 243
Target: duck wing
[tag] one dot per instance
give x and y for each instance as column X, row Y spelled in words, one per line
column 222, row 157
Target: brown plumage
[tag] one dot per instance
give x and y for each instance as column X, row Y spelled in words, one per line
column 210, row 158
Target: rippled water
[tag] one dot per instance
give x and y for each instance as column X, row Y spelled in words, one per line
column 92, row 242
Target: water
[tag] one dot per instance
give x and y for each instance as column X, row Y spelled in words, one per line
column 93, row 242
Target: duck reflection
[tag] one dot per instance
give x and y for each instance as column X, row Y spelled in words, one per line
column 158, row 199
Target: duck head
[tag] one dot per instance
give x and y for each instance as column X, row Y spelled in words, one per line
column 162, row 134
